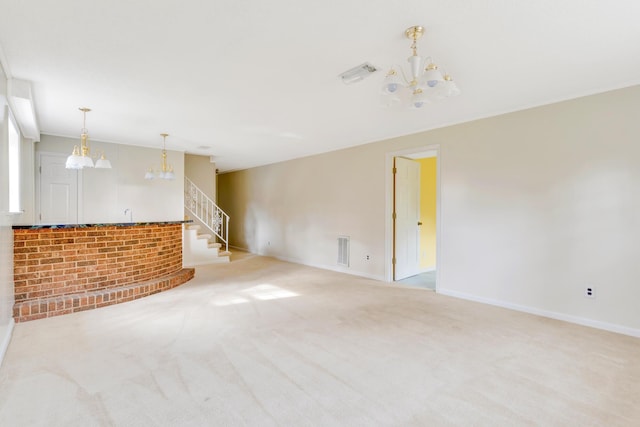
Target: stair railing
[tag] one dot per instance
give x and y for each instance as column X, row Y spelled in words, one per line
column 205, row 210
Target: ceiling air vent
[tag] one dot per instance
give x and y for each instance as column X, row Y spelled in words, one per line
column 343, row 251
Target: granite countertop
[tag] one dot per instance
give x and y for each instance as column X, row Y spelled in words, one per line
column 113, row 224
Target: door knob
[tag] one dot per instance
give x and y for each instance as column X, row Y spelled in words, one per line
column 419, row 222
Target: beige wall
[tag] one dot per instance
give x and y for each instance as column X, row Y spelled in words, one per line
column 297, row 209
column 202, row 172
column 6, row 233
column 107, row 193
column 535, row 206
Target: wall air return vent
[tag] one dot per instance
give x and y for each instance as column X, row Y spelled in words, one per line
column 343, row 251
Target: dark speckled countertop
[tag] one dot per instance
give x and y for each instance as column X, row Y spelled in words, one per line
column 113, row 224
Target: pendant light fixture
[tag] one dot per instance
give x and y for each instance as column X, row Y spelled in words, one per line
column 426, row 82
column 166, row 170
column 103, row 163
column 80, row 158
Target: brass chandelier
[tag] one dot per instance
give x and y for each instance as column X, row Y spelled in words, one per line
column 424, row 84
column 80, row 158
column 166, row 170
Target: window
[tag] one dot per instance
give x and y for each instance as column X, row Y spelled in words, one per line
column 14, row 166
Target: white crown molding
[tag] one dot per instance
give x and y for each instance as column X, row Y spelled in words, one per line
column 20, row 96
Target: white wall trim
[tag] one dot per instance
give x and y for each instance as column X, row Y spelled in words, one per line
column 337, row 269
column 310, row 264
column 7, row 338
column 525, row 309
column 545, row 313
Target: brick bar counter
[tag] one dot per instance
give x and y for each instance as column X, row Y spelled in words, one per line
column 61, row 269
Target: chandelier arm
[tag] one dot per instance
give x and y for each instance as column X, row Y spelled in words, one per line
column 404, row 77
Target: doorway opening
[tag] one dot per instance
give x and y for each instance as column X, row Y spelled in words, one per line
column 412, row 213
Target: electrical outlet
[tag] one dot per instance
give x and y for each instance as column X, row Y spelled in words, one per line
column 590, row 292
column 367, row 258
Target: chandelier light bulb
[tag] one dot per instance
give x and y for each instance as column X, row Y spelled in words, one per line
column 432, row 76
column 392, row 82
column 419, row 98
column 149, row 175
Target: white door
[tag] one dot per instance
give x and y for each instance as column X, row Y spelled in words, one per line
column 407, row 217
column 58, row 190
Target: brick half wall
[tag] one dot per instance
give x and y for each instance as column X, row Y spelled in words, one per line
column 63, row 270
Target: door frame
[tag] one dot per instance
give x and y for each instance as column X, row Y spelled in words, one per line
column 389, row 196
column 38, row 177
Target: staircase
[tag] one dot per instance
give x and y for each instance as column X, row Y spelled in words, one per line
column 206, row 240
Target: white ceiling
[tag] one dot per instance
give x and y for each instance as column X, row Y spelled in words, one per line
column 256, row 81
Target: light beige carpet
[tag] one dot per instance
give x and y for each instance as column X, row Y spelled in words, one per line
column 259, row 342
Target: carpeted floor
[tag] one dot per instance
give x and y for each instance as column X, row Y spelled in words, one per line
column 259, row 342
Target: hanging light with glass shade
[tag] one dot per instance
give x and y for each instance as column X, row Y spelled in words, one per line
column 80, row 158
column 166, row 170
column 426, row 82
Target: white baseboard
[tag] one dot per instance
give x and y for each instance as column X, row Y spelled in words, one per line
column 6, row 339
column 545, row 313
column 322, row 266
column 525, row 309
column 329, row 267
